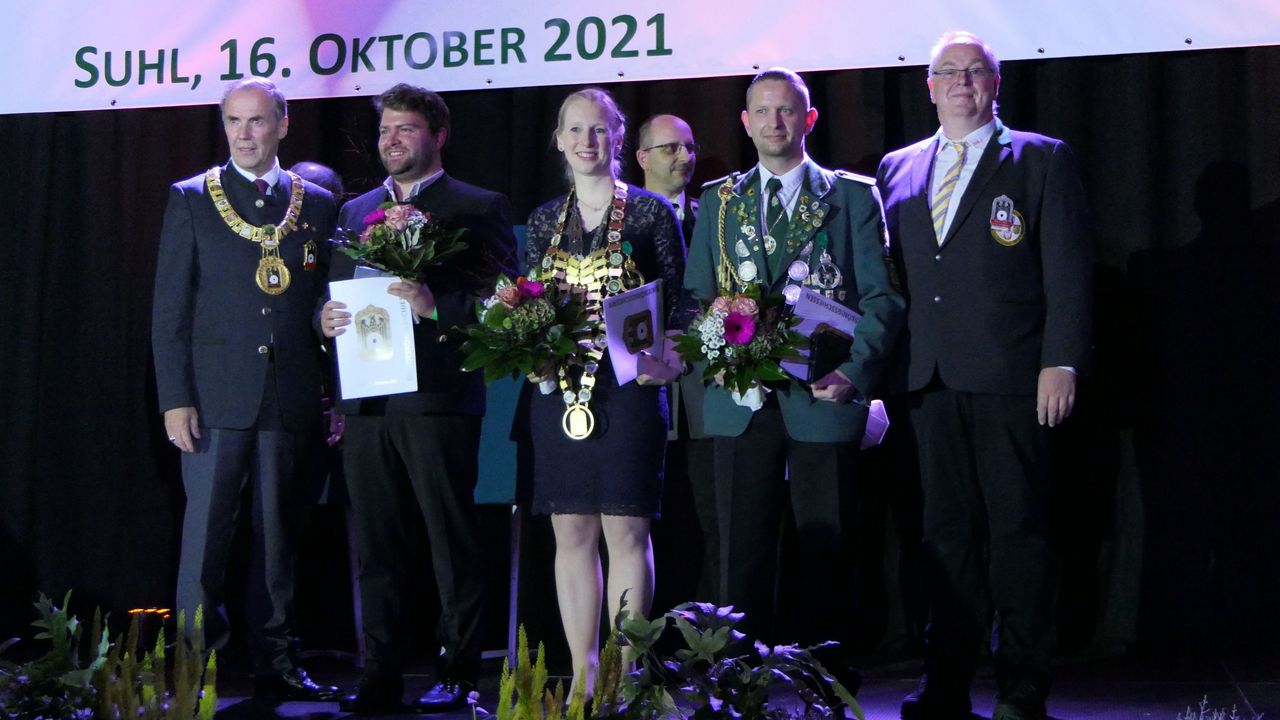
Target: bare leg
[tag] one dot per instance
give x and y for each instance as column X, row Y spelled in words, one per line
column 578, row 590
column 630, row 565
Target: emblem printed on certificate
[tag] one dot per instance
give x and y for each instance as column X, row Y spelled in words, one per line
column 1006, row 223
column 373, row 329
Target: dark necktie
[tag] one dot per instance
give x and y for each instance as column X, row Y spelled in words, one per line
column 261, row 185
column 774, row 212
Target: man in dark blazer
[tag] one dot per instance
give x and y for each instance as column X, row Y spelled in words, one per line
column 668, row 155
column 241, row 268
column 825, row 233
column 988, row 230
column 419, row 450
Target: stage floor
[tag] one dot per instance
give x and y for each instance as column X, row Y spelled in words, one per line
column 1126, row 688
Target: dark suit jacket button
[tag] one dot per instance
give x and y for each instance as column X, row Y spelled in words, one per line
column 937, row 298
column 938, row 257
column 263, row 349
column 266, row 311
column 442, row 338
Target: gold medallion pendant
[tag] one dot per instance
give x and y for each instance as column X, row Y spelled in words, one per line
column 272, row 275
column 578, row 421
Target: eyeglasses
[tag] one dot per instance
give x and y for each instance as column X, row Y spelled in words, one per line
column 672, row 148
column 974, row 73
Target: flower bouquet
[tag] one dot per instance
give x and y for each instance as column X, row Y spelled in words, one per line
column 523, row 327
column 400, row 239
column 745, row 336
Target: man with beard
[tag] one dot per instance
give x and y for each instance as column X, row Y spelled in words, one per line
column 419, row 450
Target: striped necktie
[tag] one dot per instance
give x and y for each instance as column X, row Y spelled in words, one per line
column 942, row 200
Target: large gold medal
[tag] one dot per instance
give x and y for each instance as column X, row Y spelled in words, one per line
column 578, row 421
column 272, row 275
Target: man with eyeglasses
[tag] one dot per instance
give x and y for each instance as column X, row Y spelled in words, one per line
column 988, row 229
column 668, row 155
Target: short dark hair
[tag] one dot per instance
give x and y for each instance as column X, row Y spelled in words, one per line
column 786, row 76
column 411, row 98
column 322, row 175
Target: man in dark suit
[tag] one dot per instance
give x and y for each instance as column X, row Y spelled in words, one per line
column 668, row 156
column 788, row 224
column 988, row 229
column 419, row 450
column 241, row 267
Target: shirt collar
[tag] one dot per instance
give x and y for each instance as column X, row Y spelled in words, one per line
column 390, row 185
column 976, row 139
column 791, row 179
column 272, row 176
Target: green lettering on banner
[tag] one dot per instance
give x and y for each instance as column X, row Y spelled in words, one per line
column 360, row 54
column 390, row 42
column 512, row 39
column 261, row 62
column 128, row 69
column 144, row 66
column 553, row 53
column 455, row 48
column 90, row 69
column 230, row 48
column 339, row 60
column 431, row 51
column 481, row 46
column 659, row 24
column 619, row 50
column 584, row 37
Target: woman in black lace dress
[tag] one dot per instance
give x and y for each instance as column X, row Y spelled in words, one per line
column 597, row 447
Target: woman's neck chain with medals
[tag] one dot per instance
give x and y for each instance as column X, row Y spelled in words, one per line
column 272, row 276
column 590, row 278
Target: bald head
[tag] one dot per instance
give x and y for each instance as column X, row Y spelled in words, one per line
column 667, row 154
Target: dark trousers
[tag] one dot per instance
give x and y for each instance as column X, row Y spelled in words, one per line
column 755, row 472
column 984, row 470
column 227, row 465
column 397, row 467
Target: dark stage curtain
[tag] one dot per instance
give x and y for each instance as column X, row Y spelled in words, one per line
column 1169, row 474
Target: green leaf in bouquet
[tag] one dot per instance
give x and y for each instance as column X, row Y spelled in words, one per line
column 770, row 370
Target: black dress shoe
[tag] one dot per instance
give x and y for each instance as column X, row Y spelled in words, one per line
column 293, row 685
column 931, row 702
column 444, row 696
column 375, row 695
column 1025, row 702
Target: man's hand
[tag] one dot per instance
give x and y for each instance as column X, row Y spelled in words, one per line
column 182, row 424
column 652, row 371
column 833, row 387
column 334, row 318
column 417, row 294
column 1055, row 395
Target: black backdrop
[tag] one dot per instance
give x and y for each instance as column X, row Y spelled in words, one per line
column 1168, row 504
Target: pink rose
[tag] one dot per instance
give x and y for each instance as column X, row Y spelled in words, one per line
column 744, row 305
column 720, row 304
column 509, row 295
column 398, row 216
column 375, row 217
column 739, row 329
column 366, row 237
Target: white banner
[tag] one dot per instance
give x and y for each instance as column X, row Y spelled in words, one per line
column 81, row 55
